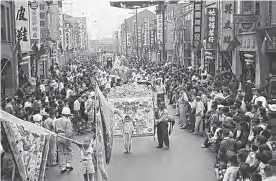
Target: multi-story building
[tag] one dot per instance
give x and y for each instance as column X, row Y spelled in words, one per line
column 130, row 34
column 9, row 63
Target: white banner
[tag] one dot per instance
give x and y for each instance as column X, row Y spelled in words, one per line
column 146, row 32
column 34, row 20
column 61, row 26
column 67, row 35
column 22, row 24
column 159, row 28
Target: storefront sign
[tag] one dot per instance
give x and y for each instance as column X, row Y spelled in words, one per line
column 248, row 43
column 54, row 25
column 159, row 28
column 227, row 25
column 67, row 35
column 212, row 28
column 60, row 16
column 243, row 18
column 146, row 32
column 197, row 23
column 44, row 32
column 128, row 39
column 34, row 20
column 22, row 24
column 139, row 36
column 152, row 39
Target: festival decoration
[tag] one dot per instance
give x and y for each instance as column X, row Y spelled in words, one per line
column 135, row 101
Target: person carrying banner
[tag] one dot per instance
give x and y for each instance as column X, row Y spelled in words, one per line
column 64, row 128
column 89, row 110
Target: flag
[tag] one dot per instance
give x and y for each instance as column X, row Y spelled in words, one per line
column 198, row 48
column 233, row 44
column 35, row 49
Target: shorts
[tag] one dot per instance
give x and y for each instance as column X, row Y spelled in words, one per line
column 87, row 167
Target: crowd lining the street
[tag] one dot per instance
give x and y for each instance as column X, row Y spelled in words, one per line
column 232, row 114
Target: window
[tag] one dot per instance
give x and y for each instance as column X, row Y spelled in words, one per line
column 3, row 23
column 8, row 23
column 257, row 8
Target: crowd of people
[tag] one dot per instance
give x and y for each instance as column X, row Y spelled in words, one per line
column 232, row 114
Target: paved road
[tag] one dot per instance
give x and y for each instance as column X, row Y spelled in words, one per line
column 184, row 161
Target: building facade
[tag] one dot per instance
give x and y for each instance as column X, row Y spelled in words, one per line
column 9, row 63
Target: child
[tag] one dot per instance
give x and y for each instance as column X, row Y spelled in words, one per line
column 86, row 160
column 128, row 130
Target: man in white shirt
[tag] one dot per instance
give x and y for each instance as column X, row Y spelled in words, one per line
column 108, row 83
column 42, row 86
column 259, row 97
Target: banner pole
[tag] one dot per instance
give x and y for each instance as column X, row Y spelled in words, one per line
column 96, row 130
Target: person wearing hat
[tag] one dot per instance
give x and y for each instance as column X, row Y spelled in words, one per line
column 63, row 127
column 162, row 126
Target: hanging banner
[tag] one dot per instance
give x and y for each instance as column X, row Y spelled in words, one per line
column 67, row 35
column 54, row 25
column 128, row 40
column 152, row 39
column 227, row 14
column 60, row 16
column 159, row 28
column 34, row 20
column 197, row 23
column 146, row 32
column 139, row 36
column 22, row 24
column 135, row 101
column 212, row 28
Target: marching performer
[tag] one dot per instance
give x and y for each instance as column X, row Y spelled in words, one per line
column 128, row 130
column 64, row 128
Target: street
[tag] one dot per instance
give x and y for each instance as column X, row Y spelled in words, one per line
column 184, row 160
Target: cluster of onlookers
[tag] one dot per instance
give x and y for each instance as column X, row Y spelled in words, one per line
column 234, row 116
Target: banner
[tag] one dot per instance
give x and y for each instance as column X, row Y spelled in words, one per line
column 135, row 101
column 159, row 28
column 197, row 23
column 152, row 39
column 27, row 145
column 60, row 16
column 146, row 32
column 22, row 24
column 107, row 123
column 227, row 23
column 212, row 28
column 67, row 35
column 54, row 25
column 34, row 20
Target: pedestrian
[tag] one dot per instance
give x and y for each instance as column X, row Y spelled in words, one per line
column 128, row 130
column 162, row 127
column 86, row 160
column 63, row 127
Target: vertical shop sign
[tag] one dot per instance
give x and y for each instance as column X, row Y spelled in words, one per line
column 212, row 28
column 60, row 15
column 44, row 32
column 146, row 32
column 128, row 39
column 227, row 23
column 197, row 23
column 22, row 24
column 152, row 39
column 139, row 36
column 159, row 28
column 34, row 20
column 67, row 35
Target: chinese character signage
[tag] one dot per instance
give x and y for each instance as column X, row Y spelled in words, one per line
column 22, row 24
column 139, row 36
column 152, row 39
column 34, row 20
column 197, row 23
column 159, row 28
column 227, row 23
column 61, row 26
column 146, row 32
column 128, row 39
column 248, row 43
column 212, row 28
column 67, row 35
column 44, row 32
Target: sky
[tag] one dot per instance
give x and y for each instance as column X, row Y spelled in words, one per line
column 102, row 19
